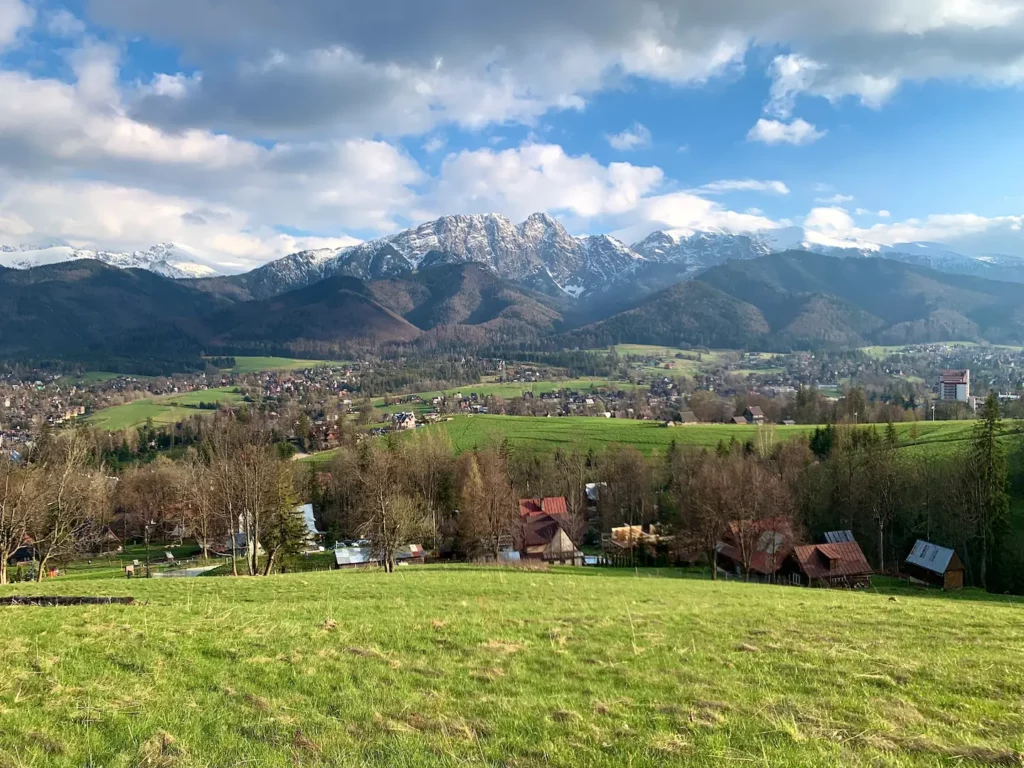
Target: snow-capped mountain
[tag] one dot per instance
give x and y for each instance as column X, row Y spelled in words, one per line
column 538, row 253
column 168, row 259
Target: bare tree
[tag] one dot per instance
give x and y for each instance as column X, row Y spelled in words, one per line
column 18, row 496
column 390, row 519
column 196, row 490
column 71, row 497
column 571, row 466
column 489, row 515
column 429, row 475
column 705, row 501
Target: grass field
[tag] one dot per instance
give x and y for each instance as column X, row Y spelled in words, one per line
column 475, row 666
column 516, row 389
column 167, row 409
column 546, row 434
column 255, row 364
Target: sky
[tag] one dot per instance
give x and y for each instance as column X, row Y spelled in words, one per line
column 249, row 129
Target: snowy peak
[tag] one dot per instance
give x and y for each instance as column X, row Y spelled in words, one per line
column 168, row 259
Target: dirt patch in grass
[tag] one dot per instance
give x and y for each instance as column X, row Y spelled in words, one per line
column 160, row 751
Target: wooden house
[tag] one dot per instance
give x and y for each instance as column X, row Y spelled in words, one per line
column 932, row 564
column 544, row 535
column 840, row 564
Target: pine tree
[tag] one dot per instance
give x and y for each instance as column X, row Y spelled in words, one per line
column 989, row 467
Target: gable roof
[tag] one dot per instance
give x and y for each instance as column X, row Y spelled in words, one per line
column 932, row 557
column 837, row 537
column 827, row 561
column 550, row 505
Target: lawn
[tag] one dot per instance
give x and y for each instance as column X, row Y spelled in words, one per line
column 255, row 364
column 479, row 666
column 167, row 409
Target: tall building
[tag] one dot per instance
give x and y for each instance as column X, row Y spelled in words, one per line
column 955, row 385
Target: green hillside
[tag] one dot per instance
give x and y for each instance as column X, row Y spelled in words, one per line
column 167, row 409
column 478, row 666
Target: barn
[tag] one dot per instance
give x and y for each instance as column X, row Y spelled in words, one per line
column 935, row 565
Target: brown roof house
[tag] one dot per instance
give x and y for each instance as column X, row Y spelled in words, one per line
column 759, row 547
column 832, row 564
column 544, row 534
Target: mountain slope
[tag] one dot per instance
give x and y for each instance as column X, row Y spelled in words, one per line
column 76, row 307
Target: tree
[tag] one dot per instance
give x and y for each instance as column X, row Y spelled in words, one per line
column 390, row 518
column 18, row 495
column 988, row 466
column 71, row 497
column 284, row 529
column 489, row 515
column 429, row 475
column 571, row 466
column 705, row 500
column 202, row 516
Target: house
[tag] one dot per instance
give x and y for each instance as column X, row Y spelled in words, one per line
column 544, row 535
column 687, row 417
column 753, row 415
column 764, row 544
column 955, row 385
column 932, row 564
column 312, row 534
column 360, row 554
column 403, row 421
column 789, row 422
column 739, row 420
column 841, row 564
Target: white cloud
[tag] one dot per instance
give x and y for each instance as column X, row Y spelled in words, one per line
column 434, row 144
column 884, row 214
column 15, row 15
column 776, row 132
column 635, row 137
column 743, row 185
column 836, row 199
column 539, row 177
column 859, row 211
column 63, row 23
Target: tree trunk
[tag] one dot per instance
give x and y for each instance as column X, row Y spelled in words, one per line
column 270, row 563
column 881, row 548
column 714, row 564
column 984, row 561
column 3, row 568
column 42, row 570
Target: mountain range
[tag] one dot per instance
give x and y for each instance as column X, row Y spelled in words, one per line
column 537, row 254
column 86, row 309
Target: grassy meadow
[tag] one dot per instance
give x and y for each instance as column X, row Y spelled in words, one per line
column 543, row 434
column 244, row 364
column 167, row 409
column 481, row 666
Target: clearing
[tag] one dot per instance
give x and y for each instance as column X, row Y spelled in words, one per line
column 166, row 409
column 481, row 666
column 256, row 364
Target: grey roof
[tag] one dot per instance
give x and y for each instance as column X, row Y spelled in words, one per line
column 364, row 556
column 930, row 556
column 838, row 537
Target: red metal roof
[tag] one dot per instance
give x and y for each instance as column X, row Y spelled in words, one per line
column 551, row 505
column 828, row 561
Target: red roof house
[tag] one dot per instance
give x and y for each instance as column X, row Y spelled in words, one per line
column 838, row 564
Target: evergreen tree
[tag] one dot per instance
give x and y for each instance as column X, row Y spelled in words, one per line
column 989, row 469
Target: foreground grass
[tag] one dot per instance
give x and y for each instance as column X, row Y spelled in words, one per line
column 467, row 666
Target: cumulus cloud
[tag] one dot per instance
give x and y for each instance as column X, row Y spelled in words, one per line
column 777, row 132
column 836, row 199
column 539, row 177
column 635, row 137
column 743, row 185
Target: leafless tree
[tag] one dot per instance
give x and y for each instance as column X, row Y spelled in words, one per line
column 71, row 495
column 389, row 517
column 489, row 514
column 430, row 476
column 18, row 496
column 571, row 466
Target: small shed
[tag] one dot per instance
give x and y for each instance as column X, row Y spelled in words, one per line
column 936, row 565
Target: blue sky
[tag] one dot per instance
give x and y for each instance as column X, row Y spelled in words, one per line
column 250, row 128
